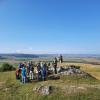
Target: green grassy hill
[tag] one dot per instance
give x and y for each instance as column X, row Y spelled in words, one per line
column 66, row 88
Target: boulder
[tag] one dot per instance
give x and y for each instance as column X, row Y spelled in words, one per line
column 43, row 90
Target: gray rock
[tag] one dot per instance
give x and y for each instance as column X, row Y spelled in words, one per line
column 43, row 90
column 72, row 71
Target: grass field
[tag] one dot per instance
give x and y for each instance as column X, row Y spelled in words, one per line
column 67, row 87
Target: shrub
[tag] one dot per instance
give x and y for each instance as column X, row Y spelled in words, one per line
column 6, row 67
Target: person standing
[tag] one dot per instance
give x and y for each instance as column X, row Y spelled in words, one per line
column 39, row 76
column 55, row 65
column 28, row 68
column 41, row 65
column 17, row 74
column 18, row 71
column 31, row 71
column 44, row 71
column 48, row 65
column 61, row 59
column 23, row 75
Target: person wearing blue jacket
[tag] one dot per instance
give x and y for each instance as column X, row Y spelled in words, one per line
column 44, row 71
column 23, row 75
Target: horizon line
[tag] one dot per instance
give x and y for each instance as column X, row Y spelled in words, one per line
column 55, row 53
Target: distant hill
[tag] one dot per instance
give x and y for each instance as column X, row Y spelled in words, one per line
column 82, row 55
column 7, row 56
column 2, row 57
column 18, row 56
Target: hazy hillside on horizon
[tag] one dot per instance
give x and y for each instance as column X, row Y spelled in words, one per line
column 15, row 55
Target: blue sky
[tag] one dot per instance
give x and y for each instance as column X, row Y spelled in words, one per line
column 50, row 26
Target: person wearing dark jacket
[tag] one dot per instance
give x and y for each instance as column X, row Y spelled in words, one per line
column 39, row 75
column 55, row 65
column 28, row 68
column 61, row 59
column 44, row 71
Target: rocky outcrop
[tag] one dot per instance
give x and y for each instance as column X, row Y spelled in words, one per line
column 72, row 70
column 43, row 90
column 69, row 70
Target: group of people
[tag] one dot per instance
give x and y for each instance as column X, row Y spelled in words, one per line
column 30, row 71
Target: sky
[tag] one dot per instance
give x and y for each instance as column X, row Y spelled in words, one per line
column 50, row 26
